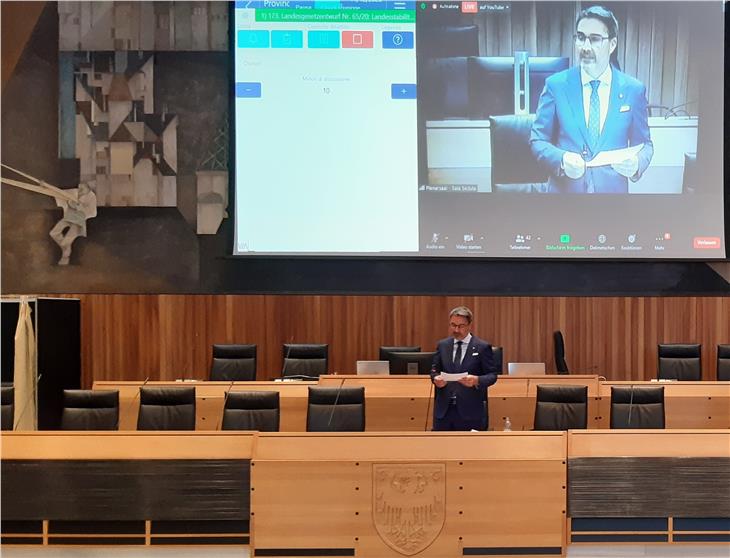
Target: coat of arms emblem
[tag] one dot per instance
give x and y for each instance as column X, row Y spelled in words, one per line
column 409, row 504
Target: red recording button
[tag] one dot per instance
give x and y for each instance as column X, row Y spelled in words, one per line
column 469, row 7
column 707, row 242
column 357, row 39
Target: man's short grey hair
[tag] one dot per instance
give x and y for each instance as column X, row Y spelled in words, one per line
column 463, row 312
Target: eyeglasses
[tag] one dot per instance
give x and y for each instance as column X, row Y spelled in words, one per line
column 595, row 39
column 458, row 326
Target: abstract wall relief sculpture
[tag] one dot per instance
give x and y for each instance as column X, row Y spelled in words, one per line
column 125, row 147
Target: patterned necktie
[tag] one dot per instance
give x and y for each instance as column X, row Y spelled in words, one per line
column 594, row 117
column 457, row 356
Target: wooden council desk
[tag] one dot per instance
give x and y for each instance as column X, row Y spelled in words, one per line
column 429, row 494
column 404, row 403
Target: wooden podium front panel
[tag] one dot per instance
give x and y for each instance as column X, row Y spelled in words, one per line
column 686, row 404
column 454, row 493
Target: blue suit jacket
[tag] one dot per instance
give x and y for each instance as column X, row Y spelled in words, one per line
column 477, row 361
column 560, row 126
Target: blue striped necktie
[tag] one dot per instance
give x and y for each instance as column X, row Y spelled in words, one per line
column 594, row 117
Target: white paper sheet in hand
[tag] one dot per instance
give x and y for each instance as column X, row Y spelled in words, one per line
column 614, row 156
column 446, row 377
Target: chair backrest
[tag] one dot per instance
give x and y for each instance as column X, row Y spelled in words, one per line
column 637, row 407
column 679, row 361
column 294, row 353
column 233, row 362
column 498, row 356
column 385, row 352
column 251, row 410
column 510, row 143
column 304, row 367
column 166, row 409
column 559, row 345
column 723, row 363
column 7, row 411
column 561, row 407
column 336, row 409
column 85, row 409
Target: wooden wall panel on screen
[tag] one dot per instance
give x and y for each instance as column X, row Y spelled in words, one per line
column 166, row 337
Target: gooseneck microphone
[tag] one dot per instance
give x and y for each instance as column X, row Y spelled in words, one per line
column 225, row 400
column 631, row 406
column 131, row 403
column 337, row 398
column 30, row 398
column 430, row 397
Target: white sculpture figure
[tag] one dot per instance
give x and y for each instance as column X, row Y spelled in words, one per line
column 73, row 223
column 78, row 204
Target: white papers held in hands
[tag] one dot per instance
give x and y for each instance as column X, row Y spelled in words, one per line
column 614, row 156
column 446, row 377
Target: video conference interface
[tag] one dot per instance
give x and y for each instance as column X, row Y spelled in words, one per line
column 488, row 129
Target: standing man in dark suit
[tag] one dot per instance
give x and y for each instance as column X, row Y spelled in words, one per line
column 461, row 405
column 590, row 108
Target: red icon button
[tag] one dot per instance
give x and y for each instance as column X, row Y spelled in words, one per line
column 357, row 39
column 706, row 242
column 469, row 7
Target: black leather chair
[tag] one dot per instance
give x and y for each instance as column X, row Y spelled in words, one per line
column 90, row 410
column 679, row 361
column 561, row 366
column 723, row 363
column 336, row 409
column 7, row 411
column 252, row 410
column 561, row 407
column 166, row 409
column 511, row 142
column 637, row 407
column 498, row 356
column 304, row 359
column 233, row 363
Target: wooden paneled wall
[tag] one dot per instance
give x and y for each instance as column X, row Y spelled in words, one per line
column 165, row 337
column 654, row 42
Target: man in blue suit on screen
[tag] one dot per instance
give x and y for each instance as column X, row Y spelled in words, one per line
column 461, row 404
column 591, row 108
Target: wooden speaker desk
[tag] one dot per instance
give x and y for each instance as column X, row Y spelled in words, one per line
column 515, row 397
column 686, row 404
column 429, row 494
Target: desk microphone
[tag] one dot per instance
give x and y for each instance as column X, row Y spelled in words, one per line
column 32, row 396
column 430, row 396
column 631, row 406
column 131, row 403
column 225, row 399
column 337, row 398
column 286, row 358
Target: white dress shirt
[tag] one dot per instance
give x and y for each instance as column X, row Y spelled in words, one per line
column 464, row 345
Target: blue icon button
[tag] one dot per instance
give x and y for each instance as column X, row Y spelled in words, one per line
column 253, row 39
column 398, row 39
column 287, row 39
column 403, row 91
column 323, row 39
column 248, row 89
